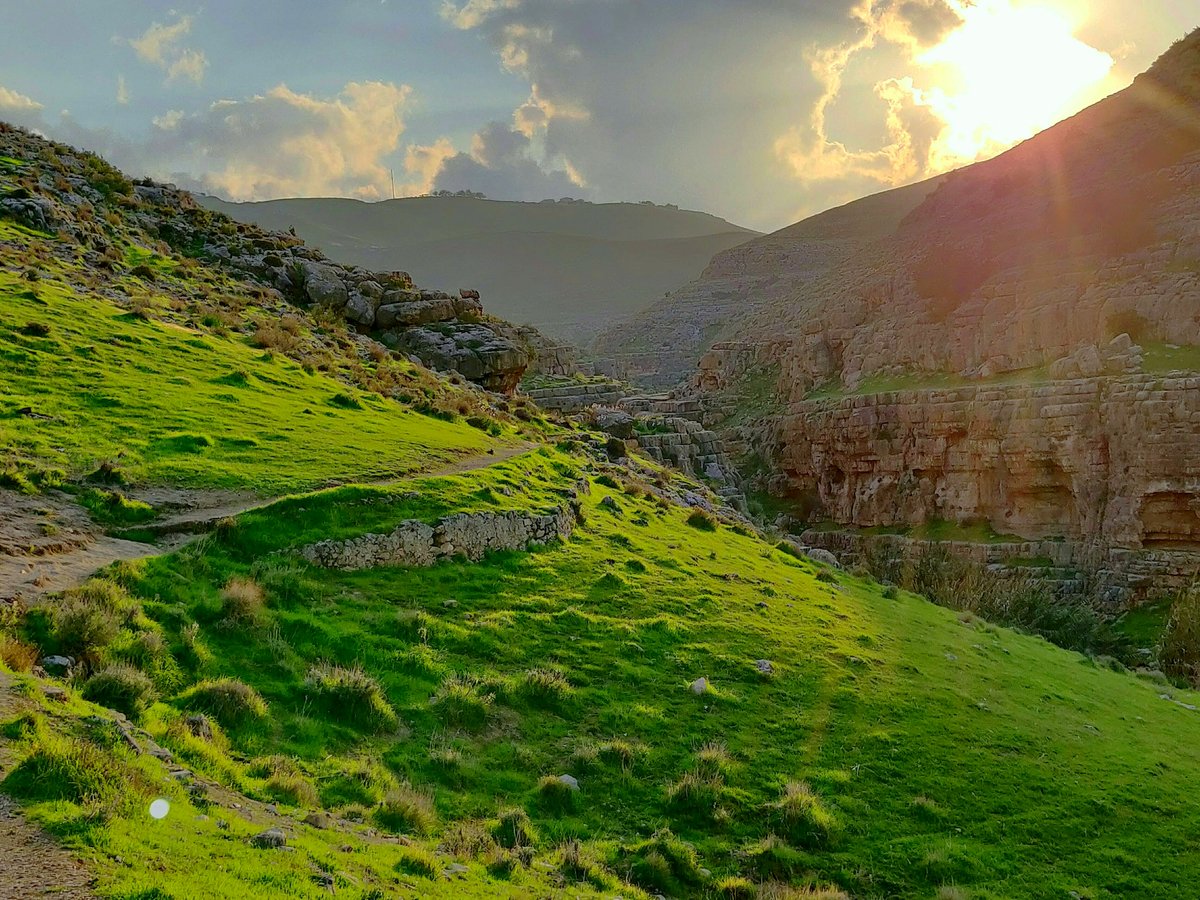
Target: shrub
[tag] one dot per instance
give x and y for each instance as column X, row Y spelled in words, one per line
column 926, row 808
column 800, row 814
column 351, row 695
column 462, row 703
column 773, row 858
column 702, row 521
column 122, row 688
column 663, row 863
column 1179, row 650
column 406, row 809
column 356, row 781
column 774, row 890
column 827, row 577
column 229, row 701
column 514, row 829
column 545, row 687
column 64, row 768
column 501, row 863
column 1022, row 602
column 418, row 861
column 242, row 602
column 282, row 335
column 467, row 839
column 294, row 790
column 87, row 620
column 16, row 655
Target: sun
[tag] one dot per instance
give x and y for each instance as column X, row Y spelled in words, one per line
column 1007, row 72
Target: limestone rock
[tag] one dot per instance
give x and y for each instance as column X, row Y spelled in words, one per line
column 271, row 839
column 323, row 284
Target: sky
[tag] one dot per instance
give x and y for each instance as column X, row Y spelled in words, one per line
column 760, row 111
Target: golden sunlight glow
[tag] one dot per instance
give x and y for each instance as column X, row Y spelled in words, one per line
column 1007, row 72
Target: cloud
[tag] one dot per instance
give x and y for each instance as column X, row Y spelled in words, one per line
column 474, row 13
column 675, row 101
column 122, row 91
column 1018, row 69
column 17, row 105
column 809, row 150
column 503, row 164
column 278, row 144
column 283, row 143
column 162, row 46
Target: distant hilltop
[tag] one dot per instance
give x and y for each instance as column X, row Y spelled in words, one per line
column 569, row 266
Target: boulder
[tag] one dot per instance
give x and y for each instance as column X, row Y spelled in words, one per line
column 615, row 422
column 699, row 687
column 570, row 781
column 199, row 726
column 816, row 554
column 58, row 666
column 421, row 312
column 361, row 309
column 33, row 212
column 323, row 284
column 371, row 288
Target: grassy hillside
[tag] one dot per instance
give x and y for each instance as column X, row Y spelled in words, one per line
column 171, row 405
column 568, row 268
column 894, row 750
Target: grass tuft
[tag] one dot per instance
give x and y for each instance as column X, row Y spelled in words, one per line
column 407, row 810
column 351, row 695
column 230, row 701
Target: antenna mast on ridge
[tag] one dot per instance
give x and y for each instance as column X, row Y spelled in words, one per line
column 393, row 176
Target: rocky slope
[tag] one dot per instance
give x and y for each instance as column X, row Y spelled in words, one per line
column 1016, row 352
column 54, row 189
column 569, row 268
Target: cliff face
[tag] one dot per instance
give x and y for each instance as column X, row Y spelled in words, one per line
column 1069, row 459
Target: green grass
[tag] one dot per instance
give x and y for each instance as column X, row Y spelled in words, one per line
column 1159, row 358
column 921, row 381
column 1049, row 773
column 185, row 408
column 1144, row 624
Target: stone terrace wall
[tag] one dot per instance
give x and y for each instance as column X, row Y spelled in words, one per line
column 415, row 543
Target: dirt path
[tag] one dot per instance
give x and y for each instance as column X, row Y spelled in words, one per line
column 48, row 545
column 32, row 864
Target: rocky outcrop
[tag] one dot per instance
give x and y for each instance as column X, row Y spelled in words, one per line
column 691, row 449
column 78, row 197
column 659, row 348
column 472, row 535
